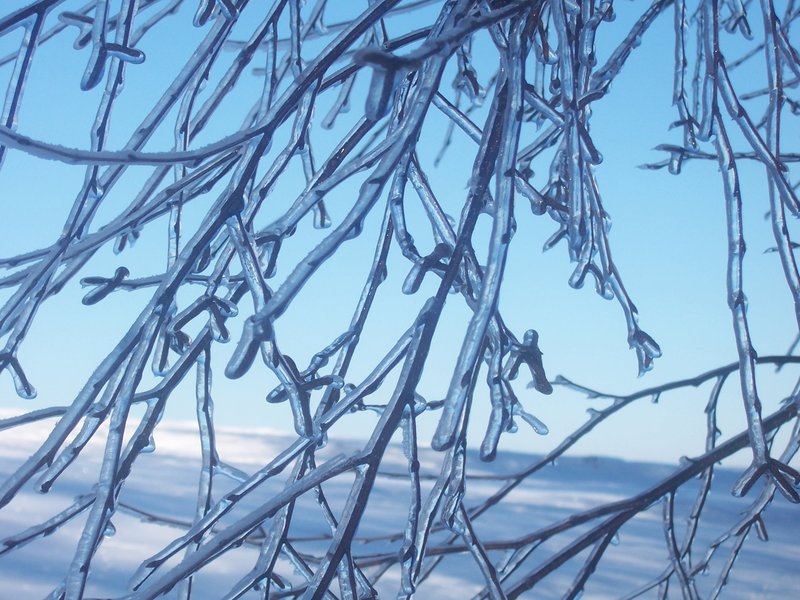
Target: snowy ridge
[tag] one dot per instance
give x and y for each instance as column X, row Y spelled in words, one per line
column 164, row 485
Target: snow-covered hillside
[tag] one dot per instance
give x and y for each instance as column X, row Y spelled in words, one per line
column 158, row 503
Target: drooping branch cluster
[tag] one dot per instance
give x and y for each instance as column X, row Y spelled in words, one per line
column 529, row 114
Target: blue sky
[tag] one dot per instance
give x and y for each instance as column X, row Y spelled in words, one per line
column 668, row 240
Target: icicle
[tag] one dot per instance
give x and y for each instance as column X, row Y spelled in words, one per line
column 387, row 72
column 110, row 530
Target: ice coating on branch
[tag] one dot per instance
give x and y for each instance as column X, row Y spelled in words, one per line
column 206, row 8
column 509, row 88
column 104, row 286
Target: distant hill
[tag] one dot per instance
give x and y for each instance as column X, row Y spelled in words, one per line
column 159, row 501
